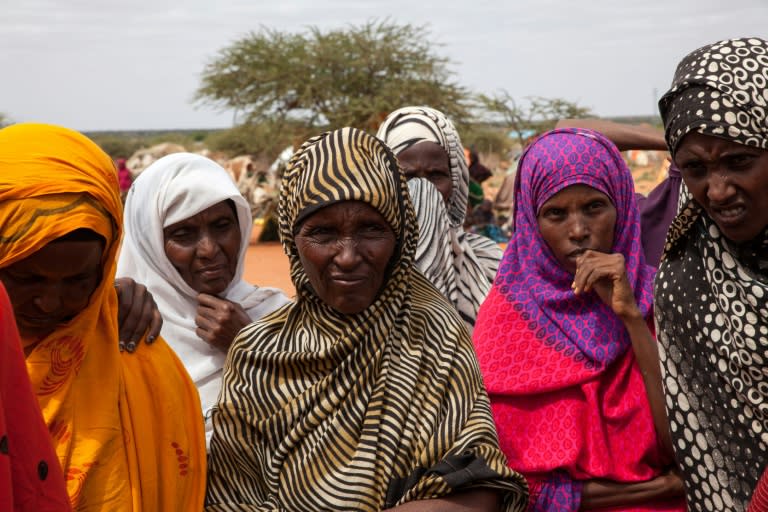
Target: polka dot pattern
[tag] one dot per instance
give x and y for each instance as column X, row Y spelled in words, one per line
column 712, row 321
column 720, row 90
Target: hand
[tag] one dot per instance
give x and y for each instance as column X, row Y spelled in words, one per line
column 137, row 313
column 219, row 320
column 606, row 274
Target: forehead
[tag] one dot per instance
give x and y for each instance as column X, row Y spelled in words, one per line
column 696, row 143
column 345, row 211
column 424, row 151
column 576, row 193
column 62, row 258
column 221, row 209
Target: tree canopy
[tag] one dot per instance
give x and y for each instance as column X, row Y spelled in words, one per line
column 343, row 77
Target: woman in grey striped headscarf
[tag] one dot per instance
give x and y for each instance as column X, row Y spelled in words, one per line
column 712, row 284
column 365, row 393
column 461, row 265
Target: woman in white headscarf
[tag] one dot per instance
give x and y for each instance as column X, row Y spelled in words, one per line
column 187, row 229
column 461, row 265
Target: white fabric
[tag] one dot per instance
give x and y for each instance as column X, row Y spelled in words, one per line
column 172, row 189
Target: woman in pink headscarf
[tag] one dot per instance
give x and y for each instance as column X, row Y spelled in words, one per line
column 563, row 341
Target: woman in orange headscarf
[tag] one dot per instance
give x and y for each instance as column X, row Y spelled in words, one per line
column 127, row 428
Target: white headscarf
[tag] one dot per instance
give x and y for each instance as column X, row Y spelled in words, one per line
column 170, row 190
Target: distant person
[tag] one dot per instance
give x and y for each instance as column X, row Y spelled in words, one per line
column 127, row 428
column 712, row 285
column 124, row 177
column 187, row 230
column 461, row 265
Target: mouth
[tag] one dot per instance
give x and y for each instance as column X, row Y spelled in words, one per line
column 345, row 280
column 575, row 254
column 38, row 324
column 731, row 216
column 213, row 272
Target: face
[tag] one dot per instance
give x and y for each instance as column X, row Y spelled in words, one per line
column 428, row 160
column 205, row 248
column 345, row 249
column 53, row 285
column 575, row 219
column 729, row 180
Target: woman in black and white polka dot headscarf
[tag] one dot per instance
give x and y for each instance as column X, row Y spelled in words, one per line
column 711, row 290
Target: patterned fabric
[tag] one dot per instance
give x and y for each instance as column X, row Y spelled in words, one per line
column 565, row 389
column 325, row 411
column 759, row 501
column 719, row 90
column 30, row 475
column 172, row 189
column 711, row 308
column 126, row 427
column 467, row 275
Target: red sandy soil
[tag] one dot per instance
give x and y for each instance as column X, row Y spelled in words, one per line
column 267, row 265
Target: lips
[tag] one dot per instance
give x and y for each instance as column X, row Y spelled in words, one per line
column 730, row 216
column 213, row 271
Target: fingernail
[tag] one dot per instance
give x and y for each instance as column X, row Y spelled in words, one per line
column 121, row 346
column 131, row 346
column 150, row 339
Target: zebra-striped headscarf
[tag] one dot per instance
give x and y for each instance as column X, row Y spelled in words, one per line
column 461, row 265
column 325, row 411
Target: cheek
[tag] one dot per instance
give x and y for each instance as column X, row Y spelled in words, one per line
column 179, row 256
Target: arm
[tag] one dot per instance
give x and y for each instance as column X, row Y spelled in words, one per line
column 607, row 275
column 604, row 493
column 625, row 136
column 468, row 501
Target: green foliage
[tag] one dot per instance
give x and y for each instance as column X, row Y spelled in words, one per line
column 535, row 116
column 116, row 145
column 351, row 77
column 267, row 139
column 486, row 138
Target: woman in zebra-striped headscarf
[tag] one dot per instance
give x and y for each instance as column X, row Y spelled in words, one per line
column 365, row 393
column 461, row 265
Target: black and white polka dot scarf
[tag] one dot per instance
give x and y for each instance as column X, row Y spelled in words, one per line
column 720, row 90
column 712, row 297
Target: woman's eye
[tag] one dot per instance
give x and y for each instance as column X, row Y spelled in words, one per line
column 739, row 162
column 554, row 213
column 693, row 169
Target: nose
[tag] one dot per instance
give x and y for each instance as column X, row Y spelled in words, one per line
column 719, row 189
column 347, row 255
column 578, row 229
column 207, row 247
column 49, row 300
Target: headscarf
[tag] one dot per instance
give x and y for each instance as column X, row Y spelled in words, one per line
column 325, row 411
column 466, row 277
column 124, row 177
column 546, row 353
column 657, row 211
column 170, row 190
column 720, row 90
column 30, row 475
column 711, row 308
column 126, row 427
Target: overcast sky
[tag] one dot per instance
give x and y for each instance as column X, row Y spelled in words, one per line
column 103, row 64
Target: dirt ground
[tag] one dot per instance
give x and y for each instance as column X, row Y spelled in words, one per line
column 267, row 265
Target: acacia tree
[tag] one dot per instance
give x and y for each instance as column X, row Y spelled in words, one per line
column 351, row 77
column 535, row 115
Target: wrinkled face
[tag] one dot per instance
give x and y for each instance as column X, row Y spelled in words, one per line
column 53, row 285
column 729, row 180
column 205, row 248
column 428, row 160
column 575, row 219
column 345, row 249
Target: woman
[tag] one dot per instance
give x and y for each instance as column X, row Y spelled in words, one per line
column 563, row 341
column 126, row 427
column 461, row 265
column 713, row 281
column 364, row 394
column 189, row 249
column 30, row 476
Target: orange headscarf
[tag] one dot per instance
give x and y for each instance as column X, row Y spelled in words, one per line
column 127, row 428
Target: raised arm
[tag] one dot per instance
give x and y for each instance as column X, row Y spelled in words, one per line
column 625, row 136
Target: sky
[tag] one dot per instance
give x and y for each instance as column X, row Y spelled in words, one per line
column 118, row 65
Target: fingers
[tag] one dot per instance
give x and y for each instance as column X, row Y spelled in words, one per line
column 593, row 266
column 137, row 314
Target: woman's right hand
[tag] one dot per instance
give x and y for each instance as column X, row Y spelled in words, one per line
column 606, row 274
column 600, row 493
column 219, row 320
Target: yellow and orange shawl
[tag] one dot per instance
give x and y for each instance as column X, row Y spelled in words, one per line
column 127, row 428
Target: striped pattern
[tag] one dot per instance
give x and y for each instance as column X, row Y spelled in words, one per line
column 324, row 411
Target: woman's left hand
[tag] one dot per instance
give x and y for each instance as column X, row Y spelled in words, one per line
column 137, row 313
column 606, row 274
column 219, row 320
